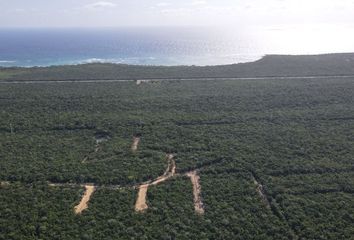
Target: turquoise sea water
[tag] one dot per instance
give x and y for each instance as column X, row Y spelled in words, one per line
column 164, row 46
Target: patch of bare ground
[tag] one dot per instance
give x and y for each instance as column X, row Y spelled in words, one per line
column 135, row 144
column 198, row 204
column 65, row 185
column 139, row 82
column 140, row 204
column 83, row 205
column 4, row 184
column 171, row 164
column 170, row 171
column 85, row 159
column 260, row 191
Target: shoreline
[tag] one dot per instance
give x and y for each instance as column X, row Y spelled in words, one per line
column 269, row 66
column 112, row 61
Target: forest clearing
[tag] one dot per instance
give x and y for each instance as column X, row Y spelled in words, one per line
column 198, row 204
column 135, row 144
column 140, row 204
column 83, row 205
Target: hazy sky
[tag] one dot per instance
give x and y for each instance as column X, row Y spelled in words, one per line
column 91, row 13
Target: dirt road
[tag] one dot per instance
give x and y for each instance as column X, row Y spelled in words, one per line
column 83, row 205
column 198, row 204
column 140, row 204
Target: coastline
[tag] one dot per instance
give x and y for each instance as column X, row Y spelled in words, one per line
column 340, row 64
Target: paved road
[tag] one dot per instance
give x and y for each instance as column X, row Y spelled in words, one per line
column 171, row 79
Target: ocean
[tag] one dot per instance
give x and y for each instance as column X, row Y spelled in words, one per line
column 166, row 45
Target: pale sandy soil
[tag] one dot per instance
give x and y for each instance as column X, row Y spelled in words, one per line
column 138, row 82
column 198, row 204
column 173, row 167
column 160, row 180
column 65, row 185
column 135, row 144
column 170, row 171
column 140, row 204
column 83, row 205
column 84, row 160
column 4, row 183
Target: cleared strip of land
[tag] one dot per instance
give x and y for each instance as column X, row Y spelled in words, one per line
column 198, row 204
column 138, row 82
column 84, row 160
column 173, row 79
column 83, row 205
column 171, row 164
column 140, row 204
column 136, row 141
column 260, row 191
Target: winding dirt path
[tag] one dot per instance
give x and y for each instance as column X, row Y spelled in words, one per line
column 83, row 205
column 171, row 166
column 140, row 204
column 198, row 204
column 136, row 141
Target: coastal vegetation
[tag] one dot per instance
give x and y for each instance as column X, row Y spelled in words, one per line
column 268, row 66
column 270, row 158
